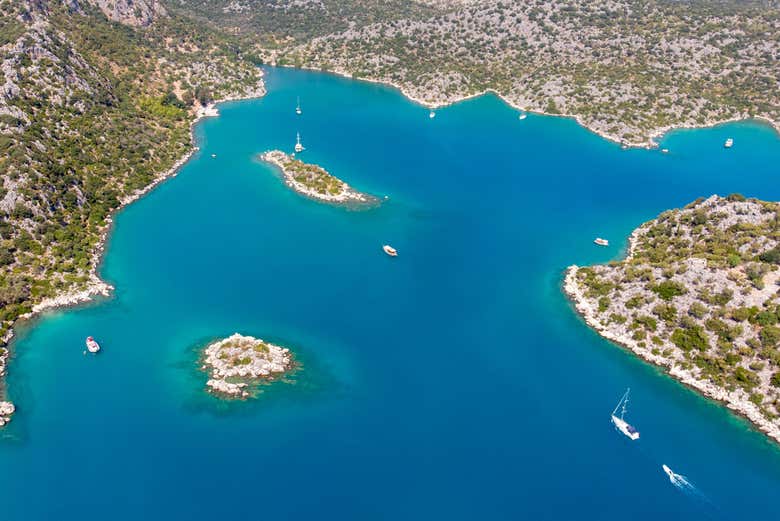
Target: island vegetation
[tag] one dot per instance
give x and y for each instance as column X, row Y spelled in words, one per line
column 238, row 365
column 627, row 69
column 314, row 181
column 699, row 293
column 96, row 108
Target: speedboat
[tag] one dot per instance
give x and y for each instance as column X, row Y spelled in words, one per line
column 522, row 116
column 729, row 143
column 92, row 345
column 665, row 150
column 620, row 423
column 668, row 471
column 390, row 250
column 601, row 242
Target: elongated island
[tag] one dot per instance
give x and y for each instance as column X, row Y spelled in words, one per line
column 698, row 294
column 238, row 364
column 315, row 182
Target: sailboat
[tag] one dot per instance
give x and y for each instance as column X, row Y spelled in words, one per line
column 298, row 107
column 298, row 146
column 620, row 423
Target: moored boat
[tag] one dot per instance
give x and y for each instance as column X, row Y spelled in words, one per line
column 620, row 423
column 298, row 107
column 390, row 250
column 92, row 345
column 601, row 242
column 522, row 116
column 729, row 143
column 432, row 115
column 298, row 146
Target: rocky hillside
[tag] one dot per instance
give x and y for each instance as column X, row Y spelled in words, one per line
column 91, row 111
column 700, row 294
column 628, row 69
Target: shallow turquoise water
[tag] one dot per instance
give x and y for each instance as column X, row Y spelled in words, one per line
column 454, row 382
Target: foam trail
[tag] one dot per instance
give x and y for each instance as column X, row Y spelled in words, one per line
column 684, row 484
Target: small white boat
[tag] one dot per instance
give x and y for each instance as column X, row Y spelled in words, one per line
column 432, row 115
column 620, row 423
column 668, row 471
column 213, row 156
column 522, row 116
column 601, row 242
column 729, row 143
column 390, row 250
column 298, row 146
column 664, row 150
column 298, row 107
column 92, row 345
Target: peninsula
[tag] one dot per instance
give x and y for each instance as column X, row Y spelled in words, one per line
column 314, row 181
column 238, row 364
column 698, row 294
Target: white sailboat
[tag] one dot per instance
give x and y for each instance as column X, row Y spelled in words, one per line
column 298, row 107
column 298, row 146
column 620, row 423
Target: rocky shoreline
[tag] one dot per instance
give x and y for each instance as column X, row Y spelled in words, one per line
column 237, row 364
column 302, row 177
column 95, row 286
column 733, row 401
column 436, row 100
column 665, row 355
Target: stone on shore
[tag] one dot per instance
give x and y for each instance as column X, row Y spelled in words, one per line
column 7, row 410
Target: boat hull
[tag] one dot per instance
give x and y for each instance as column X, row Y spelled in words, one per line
column 625, row 428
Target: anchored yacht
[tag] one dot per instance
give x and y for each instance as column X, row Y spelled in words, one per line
column 92, row 345
column 432, row 115
column 298, row 107
column 390, row 250
column 729, row 143
column 298, row 146
column 620, row 423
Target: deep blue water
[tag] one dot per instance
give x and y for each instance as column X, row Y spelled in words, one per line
column 454, row 382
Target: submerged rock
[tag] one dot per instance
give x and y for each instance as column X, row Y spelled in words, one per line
column 237, row 364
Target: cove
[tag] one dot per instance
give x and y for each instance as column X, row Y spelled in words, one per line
column 453, row 382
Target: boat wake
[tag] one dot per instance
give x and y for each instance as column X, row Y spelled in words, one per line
column 681, row 482
column 685, row 485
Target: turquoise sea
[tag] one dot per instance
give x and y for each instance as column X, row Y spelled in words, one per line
column 454, row 382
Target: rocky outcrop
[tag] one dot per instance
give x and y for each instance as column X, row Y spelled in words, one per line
column 6, row 411
column 237, row 364
column 699, row 294
column 131, row 12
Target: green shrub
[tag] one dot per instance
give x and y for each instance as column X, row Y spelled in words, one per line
column 688, row 339
column 668, row 289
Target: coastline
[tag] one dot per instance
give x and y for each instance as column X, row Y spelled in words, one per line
column 732, row 401
column 649, row 144
column 96, row 286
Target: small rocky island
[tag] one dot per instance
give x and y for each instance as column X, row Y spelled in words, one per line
column 238, row 364
column 314, row 181
column 698, row 294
